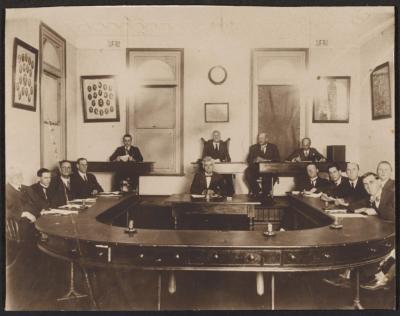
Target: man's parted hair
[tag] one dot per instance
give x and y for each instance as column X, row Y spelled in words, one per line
column 40, row 172
column 207, row 159
column 367, row 174
column 80, row 159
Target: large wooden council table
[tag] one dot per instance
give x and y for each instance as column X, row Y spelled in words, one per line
column 89, row 239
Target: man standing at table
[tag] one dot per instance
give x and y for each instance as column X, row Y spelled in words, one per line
column 61, row 185
column 83, row 184
column 306, row 153
column 208, row 181
column 127, row 152
column 262, row 151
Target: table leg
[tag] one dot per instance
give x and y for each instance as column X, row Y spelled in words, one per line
column 273, row 291
column 72, row 293
column 171, row 283
column 260, row 283
column 357, row 302
column 159, row 291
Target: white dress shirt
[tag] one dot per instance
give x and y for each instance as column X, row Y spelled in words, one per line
column 208, row 180
column 83, row 175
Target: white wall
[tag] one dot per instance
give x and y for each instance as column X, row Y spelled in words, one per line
column 207, row 41
column 23, row 127
column 377, row 137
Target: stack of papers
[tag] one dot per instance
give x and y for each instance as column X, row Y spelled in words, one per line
column 336, row 211
column 55, row 211
column 109, row 194
column 88, row 200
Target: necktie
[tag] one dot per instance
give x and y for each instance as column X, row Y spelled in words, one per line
column 263, row 148
column 84, row 177
column 126, row 151
column 352, row 185
column 68, row 185
column 45, row 193
column 306, row 153
column 313, row 183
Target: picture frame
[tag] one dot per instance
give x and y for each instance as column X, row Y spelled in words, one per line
column 332, row 100
column 100, row 98
column 380, row 92
column 216, row 112
column 24, row 75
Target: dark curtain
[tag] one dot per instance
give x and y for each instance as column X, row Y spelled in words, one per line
column 279, row 116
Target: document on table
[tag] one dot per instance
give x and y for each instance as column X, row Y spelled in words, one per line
column 55, row 211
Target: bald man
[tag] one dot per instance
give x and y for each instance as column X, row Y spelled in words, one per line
column 262, row 151
column 306, row 153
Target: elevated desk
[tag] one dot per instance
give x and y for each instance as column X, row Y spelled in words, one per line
column 294, row 168
column 139, row 168
column 239, row 205
column 89, row 240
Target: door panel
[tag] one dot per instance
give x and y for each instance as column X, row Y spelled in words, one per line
column 157, row 146
column 51, row 122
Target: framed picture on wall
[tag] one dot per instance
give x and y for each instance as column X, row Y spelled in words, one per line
column 100, row 98
column 380, row 92
column 216, row 112
column 24, row 75
column 332, row 100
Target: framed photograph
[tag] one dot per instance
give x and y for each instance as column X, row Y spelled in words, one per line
column 332, row 100
column 380, row 92
column 216, row 112
column 100, row 98
column 24, row 75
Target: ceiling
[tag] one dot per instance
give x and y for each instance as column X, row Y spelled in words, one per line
column 78, row 23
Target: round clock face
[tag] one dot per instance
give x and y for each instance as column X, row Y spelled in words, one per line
column 217, row 75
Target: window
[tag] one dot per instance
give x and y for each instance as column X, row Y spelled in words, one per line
column 154, row 114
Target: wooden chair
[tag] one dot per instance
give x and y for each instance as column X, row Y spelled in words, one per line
column 227, row 142
column 13, row 241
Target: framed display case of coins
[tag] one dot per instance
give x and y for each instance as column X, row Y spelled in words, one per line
column 24, row 72
column 100, row 98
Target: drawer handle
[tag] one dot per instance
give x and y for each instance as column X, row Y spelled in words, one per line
column 327, row 255
column 251, row 257
column 141, row 256
column 292, row 256
column 388, row 244
column 215, row 256
column 177, row 256
column 44, row 237
column 158, row 260
column 101, row 253
column 372, row 249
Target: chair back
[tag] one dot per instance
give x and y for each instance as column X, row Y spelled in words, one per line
column 12, row 230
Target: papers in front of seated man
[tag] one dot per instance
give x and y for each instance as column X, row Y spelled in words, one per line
column 366, row 211
column 109, row 193
column 198, row 196
column 55, row 211
column 88, row 200
column 312, row 194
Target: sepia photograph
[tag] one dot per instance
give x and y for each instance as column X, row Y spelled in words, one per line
column 203, row 157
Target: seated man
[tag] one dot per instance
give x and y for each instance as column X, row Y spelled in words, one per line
column 39, row 194
column 61, row 185
column 314, row 183
column 208, row 181
column 306, row 153
column 130, row 153
column 338, row 188
column 15, row 194
column 380, row 202
column 216, row 149
column 83, row 184
column 263, row 151
column 384, row 171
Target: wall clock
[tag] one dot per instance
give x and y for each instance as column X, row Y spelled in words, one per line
column 217, row 75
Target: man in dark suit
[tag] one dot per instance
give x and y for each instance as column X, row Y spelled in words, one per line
column 216, row 149
column 338, row 187
column 39, row 194
column 314, row 183
column 306, row 153
column 384, row 171
column 208, row 181
column 83, row 184
column 61, row 185
column 355, row 187
column 263, row 151
column 127, row 152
